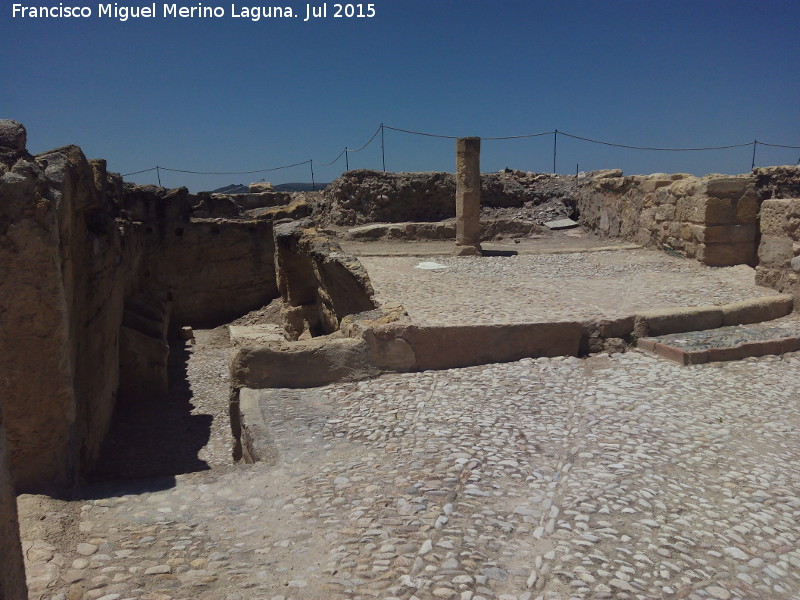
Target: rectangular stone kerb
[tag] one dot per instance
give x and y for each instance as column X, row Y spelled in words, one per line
column 468, row 196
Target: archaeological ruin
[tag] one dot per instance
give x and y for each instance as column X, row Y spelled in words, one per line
column 101, row 280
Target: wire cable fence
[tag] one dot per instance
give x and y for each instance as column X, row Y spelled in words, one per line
column 382, row 128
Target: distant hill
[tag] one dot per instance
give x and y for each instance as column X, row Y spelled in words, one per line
column 234, row 188
column 240, row 188
column 300, row 187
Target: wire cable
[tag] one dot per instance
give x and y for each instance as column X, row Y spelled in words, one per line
column 137, row 172
column 434, row 135
column 341, row 154
column 517, row 137
column 305, row 162
column 778, row 145
column 577, row 137
column 377, row 131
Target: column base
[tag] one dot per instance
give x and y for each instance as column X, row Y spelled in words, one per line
column 468, row 250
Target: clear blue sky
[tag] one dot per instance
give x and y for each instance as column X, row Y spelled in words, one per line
column 233, row 95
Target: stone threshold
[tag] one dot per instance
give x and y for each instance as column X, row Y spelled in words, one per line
column 727, row 343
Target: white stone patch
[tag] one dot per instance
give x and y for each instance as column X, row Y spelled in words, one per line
column 430, row 265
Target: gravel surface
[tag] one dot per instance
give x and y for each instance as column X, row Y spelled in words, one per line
column 552, row 287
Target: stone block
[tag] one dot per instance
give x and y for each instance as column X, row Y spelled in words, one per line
column 775, row 250
column 677, row 320
column 616, row 328
column 260, row 187
column 665, row 212
column 756, row 310
column 746, row 209
column 727, row 187
column 729, row 234
column 726, row 255
column 651, row 185
column 719, row 211
column 691, row 209
column 774, row 215
column 305, row 363
column 462, row 346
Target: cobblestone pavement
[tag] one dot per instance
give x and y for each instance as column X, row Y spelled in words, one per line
column 622, row 477
column 552, row 287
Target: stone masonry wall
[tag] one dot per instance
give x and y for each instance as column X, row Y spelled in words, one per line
column 713, row 219
column 779, row 248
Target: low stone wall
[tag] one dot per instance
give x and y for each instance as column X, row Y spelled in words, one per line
column 713, row 219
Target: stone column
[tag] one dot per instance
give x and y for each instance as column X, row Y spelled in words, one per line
column 468, row 196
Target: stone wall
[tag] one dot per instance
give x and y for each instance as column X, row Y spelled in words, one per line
column 93, row 272
column 65, row 266
column 362, row 196
column 713, row 219
column 12, row 571
column 319, row 283
column 779, row 248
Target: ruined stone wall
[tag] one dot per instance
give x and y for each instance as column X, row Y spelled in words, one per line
column 713, row 219
column 363, row 196
column 65, row 264
column 92, row 273
column 779, row 248
column 319, row 283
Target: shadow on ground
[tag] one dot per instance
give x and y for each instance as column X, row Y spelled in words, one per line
column 152, row 440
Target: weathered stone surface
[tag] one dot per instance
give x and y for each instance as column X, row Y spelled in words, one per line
column 260, row 186
column 303, row 363
column 777, row 182
column 360, row 197
column 723, row 255
column 468, row 196
column 448, row 347
column 756, row 310
column 728, row 187
column 676, row 320
column 61, row 289
column 320, row 283
column 775, row 250
column 712, row 218
column 12, row 135
column 260, row 199
column 12, row 573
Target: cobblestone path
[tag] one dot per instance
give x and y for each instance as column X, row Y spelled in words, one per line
column 608, row 477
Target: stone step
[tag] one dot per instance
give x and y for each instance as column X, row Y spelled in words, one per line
column 727, row 343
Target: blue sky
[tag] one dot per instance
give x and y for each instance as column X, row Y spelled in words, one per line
column 234, row 95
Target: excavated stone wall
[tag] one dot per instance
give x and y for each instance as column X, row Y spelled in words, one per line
column 93, row 273
column 779, row 248
column 65, row 267
column 320, row 284
column 713, row 219
column 362, row 196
